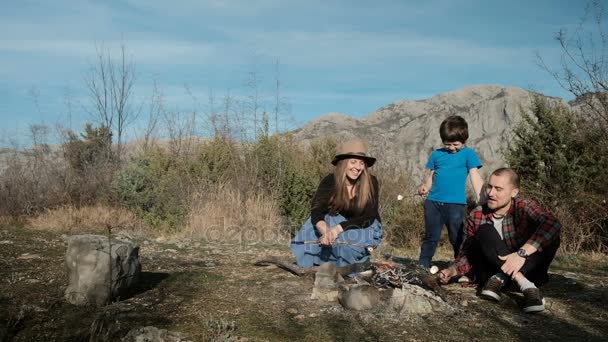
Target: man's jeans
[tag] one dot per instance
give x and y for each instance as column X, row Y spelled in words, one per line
column 489, row 245
column 436, row 215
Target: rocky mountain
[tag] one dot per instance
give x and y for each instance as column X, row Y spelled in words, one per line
column 403, row 134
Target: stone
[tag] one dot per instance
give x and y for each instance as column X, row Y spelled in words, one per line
column 326, row 283
column 359, row 297
column 153, row 334
column 412, row 299
column 26, row 256
column 96, row 276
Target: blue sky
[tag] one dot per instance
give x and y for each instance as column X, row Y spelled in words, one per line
column 345, row 56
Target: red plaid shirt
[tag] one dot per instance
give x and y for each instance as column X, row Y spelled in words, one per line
column 525, row 223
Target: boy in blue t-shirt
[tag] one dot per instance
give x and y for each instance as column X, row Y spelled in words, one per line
column 445, row 185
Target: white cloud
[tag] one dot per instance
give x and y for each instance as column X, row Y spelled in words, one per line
column 344, row 49
column 144, row 51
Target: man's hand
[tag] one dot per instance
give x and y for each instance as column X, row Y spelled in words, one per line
column 447, row 273
column 513, row 263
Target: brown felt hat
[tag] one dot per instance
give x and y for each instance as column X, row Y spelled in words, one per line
column 355, row 148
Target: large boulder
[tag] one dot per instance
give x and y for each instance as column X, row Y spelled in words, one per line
column 403, row 134
column 97, row 275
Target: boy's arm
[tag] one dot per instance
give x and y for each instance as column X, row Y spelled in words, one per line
column 426, row 186
column 476, row 183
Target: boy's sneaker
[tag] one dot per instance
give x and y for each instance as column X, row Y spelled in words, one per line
column 533, row 300
column 492, row 288
column 463, row 280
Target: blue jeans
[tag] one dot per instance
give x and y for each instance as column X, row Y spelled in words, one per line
column 350, row 246
column 436, row 215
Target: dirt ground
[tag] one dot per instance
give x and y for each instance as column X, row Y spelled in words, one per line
column 212, row 292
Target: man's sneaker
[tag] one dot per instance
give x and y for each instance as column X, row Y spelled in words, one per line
column 533, row 300
column 492, row 288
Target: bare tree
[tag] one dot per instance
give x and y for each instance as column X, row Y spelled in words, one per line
column 281, row 103
column 157, row 107
column 39, row 135
column 277, row 96
column 253, row 84
column 212, row 116
column 584, row 62
column 34, row 93
column 68, row 102
column 110, row 87
column 228, row 113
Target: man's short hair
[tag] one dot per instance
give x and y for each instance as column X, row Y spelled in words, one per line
column 454, row 128
column 507, row 171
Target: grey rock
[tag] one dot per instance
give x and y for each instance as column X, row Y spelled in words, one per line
column 26, row 256
column 153, row 334
column 327, row 280
column 97, row 276
column 359, row 297
column 412, row 299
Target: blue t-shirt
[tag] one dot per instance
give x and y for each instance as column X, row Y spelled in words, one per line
column 451, row 171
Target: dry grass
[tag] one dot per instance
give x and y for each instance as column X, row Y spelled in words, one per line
column 86, row 219
column 581, row 235
column 10, row 221
column 225, row 214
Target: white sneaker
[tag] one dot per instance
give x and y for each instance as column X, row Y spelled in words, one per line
column 463, row 279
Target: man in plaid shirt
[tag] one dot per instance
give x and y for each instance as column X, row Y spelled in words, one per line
column 508, row 238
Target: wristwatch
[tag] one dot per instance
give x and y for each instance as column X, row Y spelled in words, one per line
column 523, row 253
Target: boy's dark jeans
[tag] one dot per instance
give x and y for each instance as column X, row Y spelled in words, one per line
column 489, row 245
column 436, row 215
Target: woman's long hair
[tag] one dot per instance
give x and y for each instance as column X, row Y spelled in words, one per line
column 340, row 200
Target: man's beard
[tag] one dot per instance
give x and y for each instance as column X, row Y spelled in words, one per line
column 501, row 207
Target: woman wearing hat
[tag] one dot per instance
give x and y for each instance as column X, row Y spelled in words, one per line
column 344, row 219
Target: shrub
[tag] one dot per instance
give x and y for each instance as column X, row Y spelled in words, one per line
column 403, row 220
column 153, row 187
column 31, row 181
column 91, row 164
column 562, row 160
column 217, row 162
column 285, row 172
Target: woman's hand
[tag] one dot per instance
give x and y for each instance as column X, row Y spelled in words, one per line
column 331, row 235
column 322, row 228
